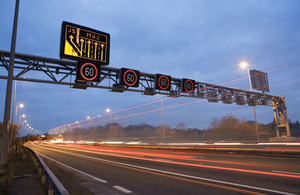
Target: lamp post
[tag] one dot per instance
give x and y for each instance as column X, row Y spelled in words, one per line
column 28, row 134
column 12, row 123
column 88, row 117
column 109, row 111
column 20, row 106
column 245, row 65
column 78, row 129
column 21, row 117
column 28, row 127
column 24, row 124
column 77, row 125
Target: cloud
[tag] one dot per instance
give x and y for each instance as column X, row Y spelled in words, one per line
column 201, row 40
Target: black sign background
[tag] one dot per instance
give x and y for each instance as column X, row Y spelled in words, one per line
column 129, row 77
column 79, row 42
column 162, row 82
column 187, row 85
column 87, row 71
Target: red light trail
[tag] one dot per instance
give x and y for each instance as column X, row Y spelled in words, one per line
column 109, row 153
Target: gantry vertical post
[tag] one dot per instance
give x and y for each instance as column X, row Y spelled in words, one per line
column 288, row 132
column 276, row 119
column 6, row 119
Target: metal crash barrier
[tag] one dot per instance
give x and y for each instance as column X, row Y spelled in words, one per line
column 53, row 185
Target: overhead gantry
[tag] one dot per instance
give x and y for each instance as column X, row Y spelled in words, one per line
column 63, row 72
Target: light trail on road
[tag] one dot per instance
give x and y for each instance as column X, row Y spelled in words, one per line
column 197, row 165
column 133, row 152
column 175, row 175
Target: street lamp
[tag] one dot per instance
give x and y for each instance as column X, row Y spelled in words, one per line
column 28, row 133
column 27, row 125
column 245, row 65
column 21, row 106
column 23, row 116
column 109, row 111
column 24, row 124
column 77, row 127
column 88, row 117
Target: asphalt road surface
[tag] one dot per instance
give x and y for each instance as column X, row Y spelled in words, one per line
column 146, row 171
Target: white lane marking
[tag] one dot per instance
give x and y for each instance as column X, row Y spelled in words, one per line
column 286, row 172
column 96, row 178
column 173, row 173
column 122, row 189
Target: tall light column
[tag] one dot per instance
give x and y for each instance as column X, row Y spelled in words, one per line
column 88, row 117
column 245, row 65
column 21, row 117
column 109, row 111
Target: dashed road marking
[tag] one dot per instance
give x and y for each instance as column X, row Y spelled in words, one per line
column 122, row 189
column 172, row 173
column 96, row 178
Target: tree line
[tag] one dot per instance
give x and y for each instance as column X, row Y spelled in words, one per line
column 15, row 128
column 227, row 128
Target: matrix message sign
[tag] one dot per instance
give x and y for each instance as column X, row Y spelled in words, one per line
column 129, row 77
column 162, row 82
column 82, row 43
column 259, row 80
column 87, row 71
column 187, row 85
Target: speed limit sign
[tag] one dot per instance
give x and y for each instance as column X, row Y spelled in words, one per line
column 129, row 77
column 187, row 85
column 162, row 82
column 87, row 71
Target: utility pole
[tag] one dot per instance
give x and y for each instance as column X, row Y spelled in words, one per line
column 6, row 120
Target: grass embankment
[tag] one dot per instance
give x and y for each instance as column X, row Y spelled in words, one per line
column 21, row 176
column 14, row 164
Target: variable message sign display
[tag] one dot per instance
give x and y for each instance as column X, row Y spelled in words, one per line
column 129, row 77
column 259, row 80
column 87, row 71
column 162, row 82
column 82, row 43
column 187, row 85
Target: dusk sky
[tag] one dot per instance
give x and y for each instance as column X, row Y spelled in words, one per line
column 202, row 40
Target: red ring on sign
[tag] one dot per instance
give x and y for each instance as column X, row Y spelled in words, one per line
column 192, row 86
column 125, row 78
column 89, row 79
column 159, row 82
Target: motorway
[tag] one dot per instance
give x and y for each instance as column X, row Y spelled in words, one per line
column 156, row 171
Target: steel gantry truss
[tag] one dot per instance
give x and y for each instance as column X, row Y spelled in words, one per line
column 63, row 72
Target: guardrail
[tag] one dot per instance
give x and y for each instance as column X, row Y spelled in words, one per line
column 52, row 184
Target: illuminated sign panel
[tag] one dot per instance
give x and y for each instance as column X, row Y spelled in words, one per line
column 187, row 85
column 87, row 71
column 162, row 82
column 259, row 80
column 82, row 43
column 129, row 77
